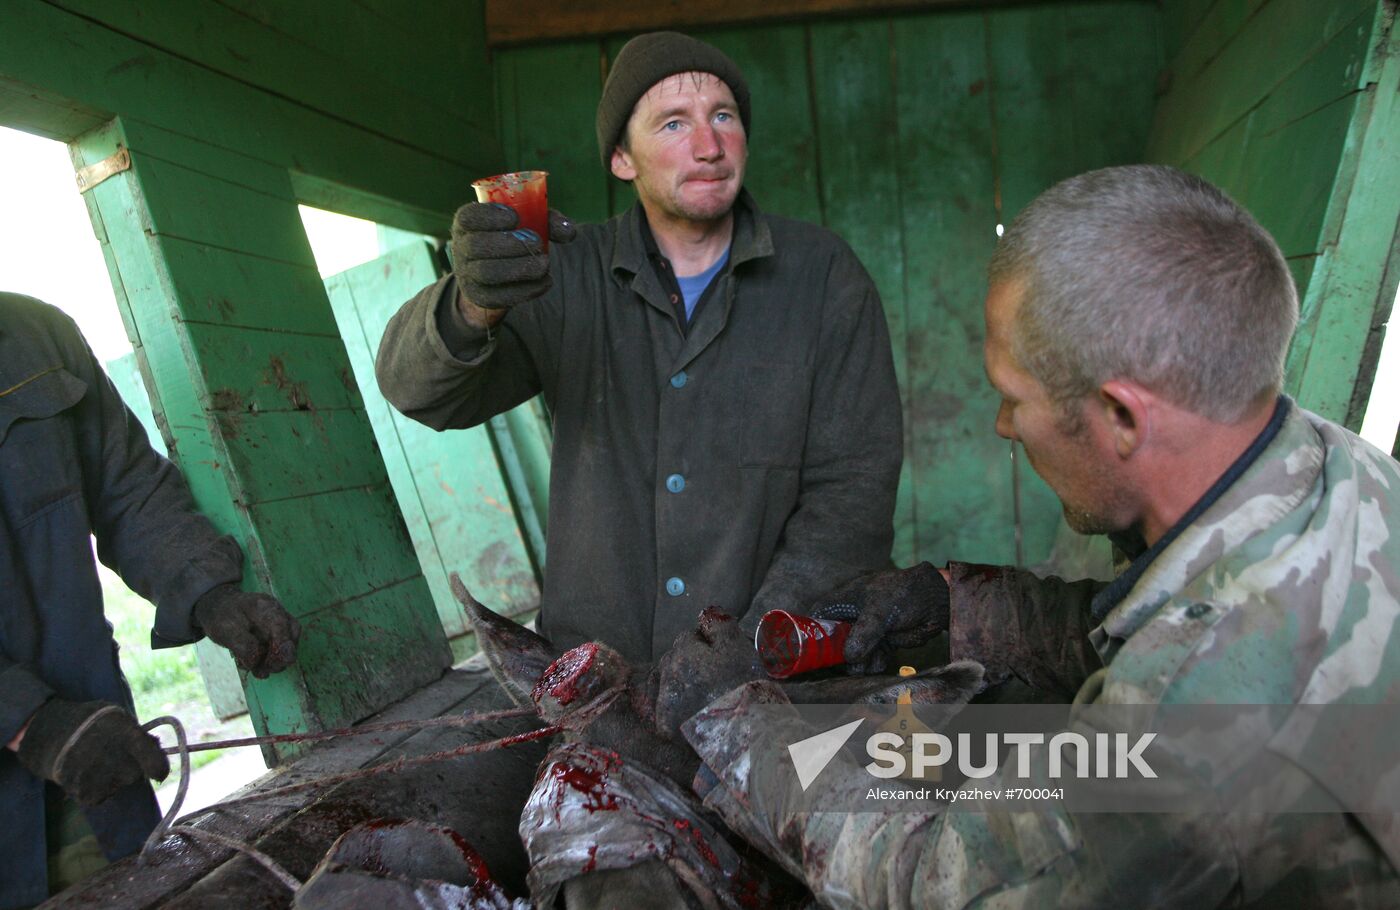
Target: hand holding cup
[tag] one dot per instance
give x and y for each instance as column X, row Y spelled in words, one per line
column 500, row 244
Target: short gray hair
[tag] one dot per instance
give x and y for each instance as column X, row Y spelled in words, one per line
column 1150, row 274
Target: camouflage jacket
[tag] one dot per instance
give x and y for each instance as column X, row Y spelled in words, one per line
column 1283, row 591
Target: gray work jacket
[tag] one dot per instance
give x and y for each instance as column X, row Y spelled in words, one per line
column 749, row 463
column 75, row 464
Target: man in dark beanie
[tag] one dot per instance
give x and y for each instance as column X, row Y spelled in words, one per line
column 727, row 424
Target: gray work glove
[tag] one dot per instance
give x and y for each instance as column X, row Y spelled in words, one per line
column 895, row 608
column 91, row 749
column 496, row 265
column 256, row 628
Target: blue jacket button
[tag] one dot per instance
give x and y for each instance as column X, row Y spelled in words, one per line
column 675, row 587
column 675, row 483
column 678, row 380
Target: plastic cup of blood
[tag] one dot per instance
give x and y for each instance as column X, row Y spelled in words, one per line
column 789, row 644
column 524, row 191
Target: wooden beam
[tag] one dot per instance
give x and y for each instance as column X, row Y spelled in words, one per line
column 514, row 22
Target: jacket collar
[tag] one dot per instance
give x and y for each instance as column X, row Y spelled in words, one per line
column 1276, row 479
column 752, row 238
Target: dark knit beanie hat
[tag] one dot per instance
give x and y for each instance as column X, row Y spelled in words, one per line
column 645, row 61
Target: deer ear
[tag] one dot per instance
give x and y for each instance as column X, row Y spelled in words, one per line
column 517, row 657
column 952, row 684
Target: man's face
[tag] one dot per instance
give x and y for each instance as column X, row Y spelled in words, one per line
column 1071, row 452
column 686, row 149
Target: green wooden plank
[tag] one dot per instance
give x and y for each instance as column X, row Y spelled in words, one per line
column 251, row 370
column 1350, row 291
column 406, row 46
column 326, row 547
column 782, row 168
column 1301, row 268
column 962, row 498
column 360, row 91
column 1219, row 25
column 396, row 464
column 1287, row 176
column 448, row 485
column 1032, row 80
column 362, row 654
column 285, row 454
column 1283, row 36
column 191, row 205
column 35, row 110
column 854, row 91
column 1113, row 53
column 555, row 92
column 103, row 70
column 238, row 289
column 1180, row 19
column 530, row 432
column 1280, row 160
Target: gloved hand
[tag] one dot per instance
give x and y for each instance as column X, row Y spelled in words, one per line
column 91, row 749
column 256, row 628
column 701, row 666
column 496, row 265
column 896, row 608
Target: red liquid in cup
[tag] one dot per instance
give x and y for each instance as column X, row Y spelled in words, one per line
column 524, row 191
column 789, row 644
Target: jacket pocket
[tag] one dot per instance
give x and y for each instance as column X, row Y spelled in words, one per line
column 774, row 420
column 39, row 458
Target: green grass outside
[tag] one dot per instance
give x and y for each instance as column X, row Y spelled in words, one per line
column 165, row 681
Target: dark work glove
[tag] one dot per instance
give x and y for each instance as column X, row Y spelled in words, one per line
column 896, row 608
column 703, row 664
column 91, row 749
column 496, row 265
column 256, row 628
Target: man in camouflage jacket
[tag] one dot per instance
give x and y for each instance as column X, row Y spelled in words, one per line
column 1137, row 321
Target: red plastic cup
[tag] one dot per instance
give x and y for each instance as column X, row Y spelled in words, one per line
column 524, row 191
column 789, row 644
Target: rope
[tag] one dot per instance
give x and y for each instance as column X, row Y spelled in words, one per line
column 165, row 827
column 394, row 726
column 182, row 748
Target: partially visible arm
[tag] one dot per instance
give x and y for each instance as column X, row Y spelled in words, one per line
column 439, row 370
column 844, row 520
column 1016, row 624
column 144, row 519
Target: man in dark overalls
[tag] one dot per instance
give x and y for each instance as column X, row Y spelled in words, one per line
column 75, row 465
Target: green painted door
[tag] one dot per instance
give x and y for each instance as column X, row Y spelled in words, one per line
column 451, row 487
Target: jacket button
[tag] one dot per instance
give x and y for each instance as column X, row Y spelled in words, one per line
column 678, row 380
column 675, row 483
column 675, row 587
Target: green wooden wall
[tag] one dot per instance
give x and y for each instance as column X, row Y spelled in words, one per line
column 913, row 136
column 233, row 112
column 1290, row 105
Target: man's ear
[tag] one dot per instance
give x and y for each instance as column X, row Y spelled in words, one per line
column 1127, row 415
column 622, row 166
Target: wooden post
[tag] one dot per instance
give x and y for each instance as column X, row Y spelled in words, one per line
column 238, row 345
